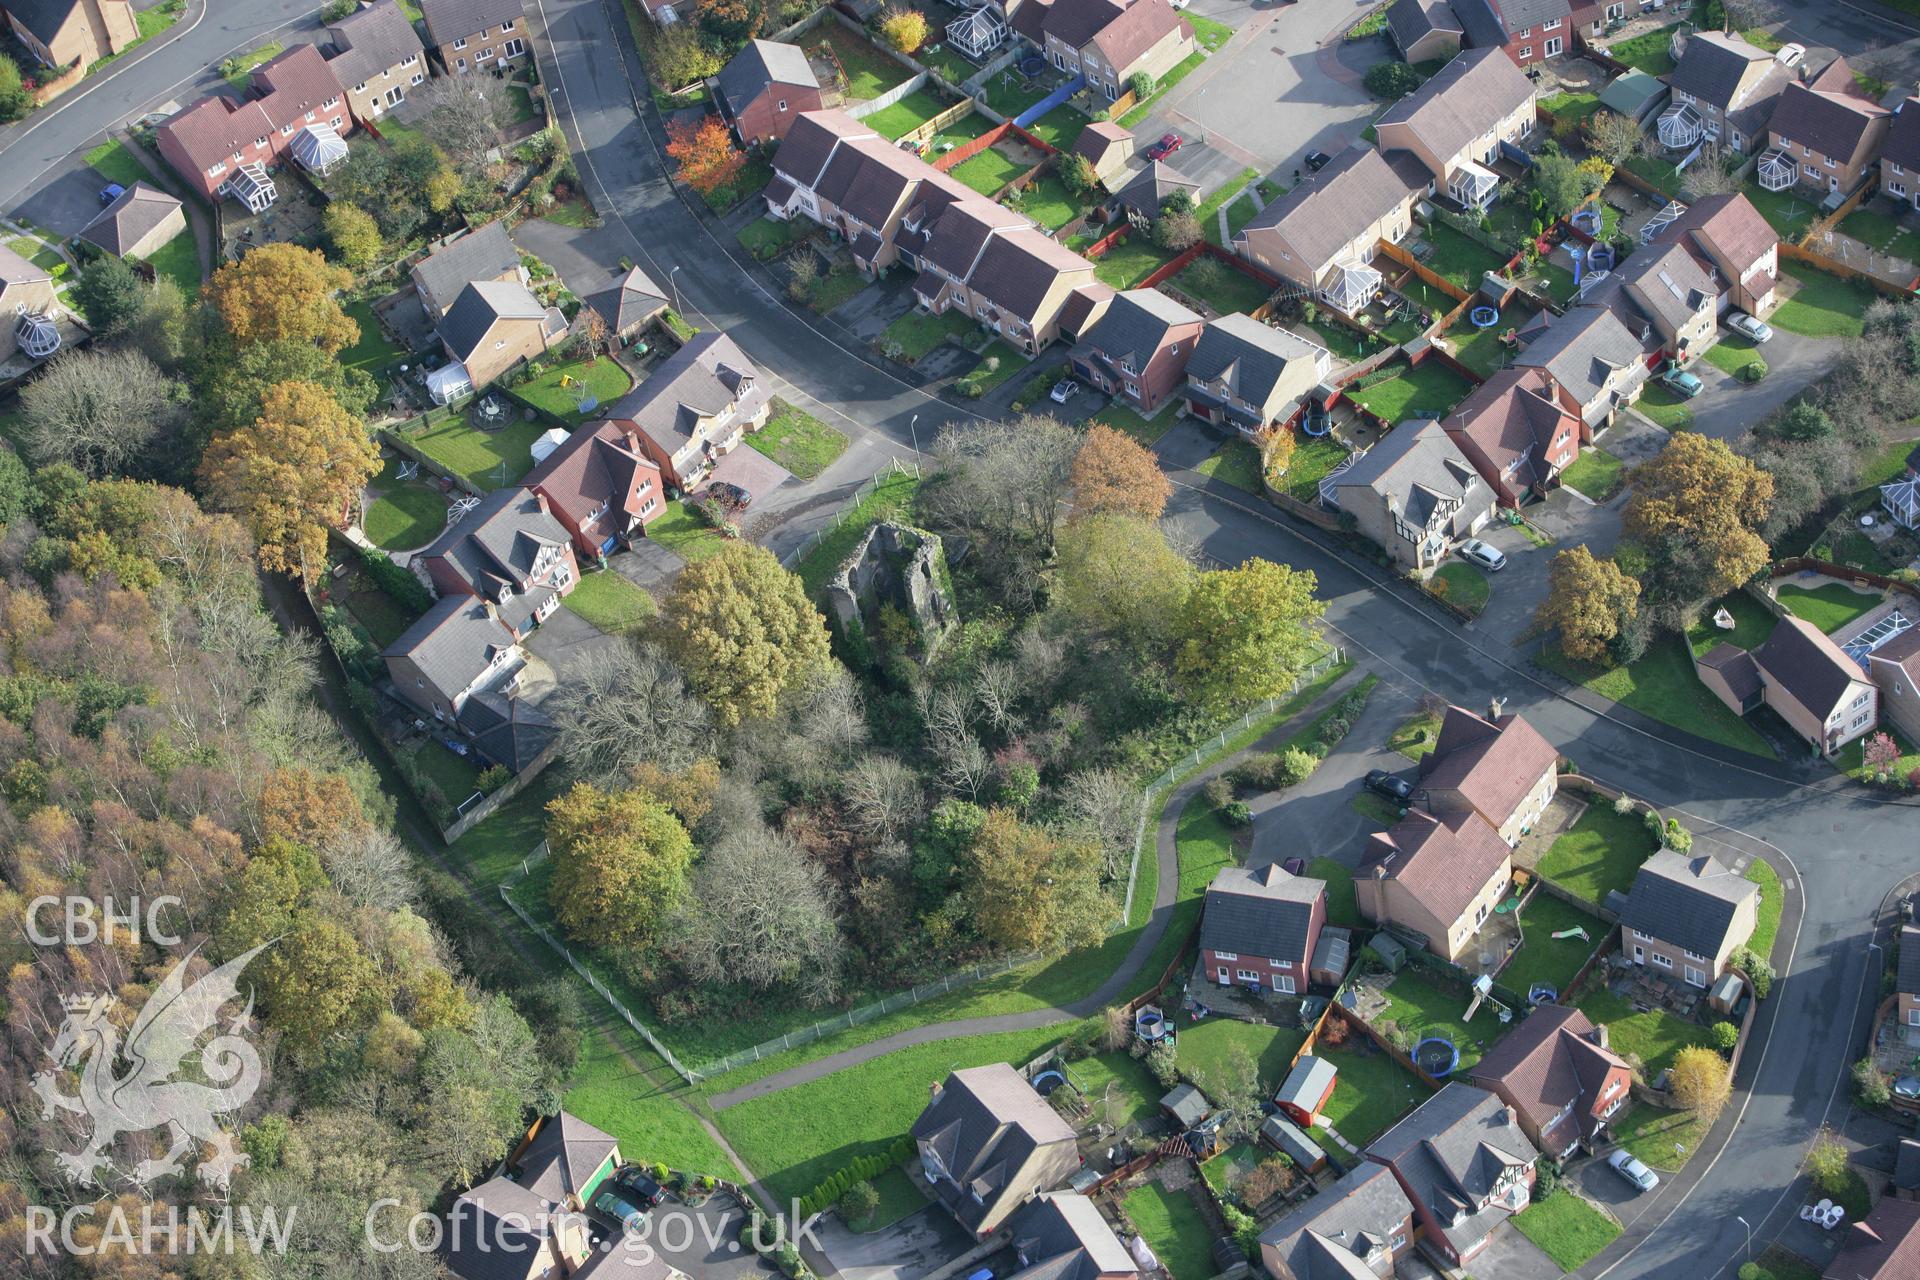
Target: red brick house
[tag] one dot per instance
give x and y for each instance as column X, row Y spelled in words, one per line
column 601, row 486
column 212, row 142
column 1465, row 1165
column 1260, row 928
column 510, row 552
column 1138, row 348
column 1531, row 30
column 1562, row 1081
column 764, row 89
column 1520, row 430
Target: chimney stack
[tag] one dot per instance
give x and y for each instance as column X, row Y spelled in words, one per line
column 1495, row 706
column 1600, row 1035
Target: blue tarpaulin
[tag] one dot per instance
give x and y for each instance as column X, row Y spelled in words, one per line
column 1051, row 101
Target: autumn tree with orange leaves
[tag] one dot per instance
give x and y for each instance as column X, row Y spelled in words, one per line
column 1114, row 474
column 705, row 152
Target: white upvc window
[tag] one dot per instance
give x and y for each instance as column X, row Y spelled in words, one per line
column 1665, row 962
column 1226, row 955
column 1527, row 51
column 512, row 49
column 1283, row 983
column 1246, row 975
column 507, row 25
column 1552, row 49
column 1913, row 1016
column 1550, row 26
column 460, row 43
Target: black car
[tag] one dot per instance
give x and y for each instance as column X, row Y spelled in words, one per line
column 636, row 1181
column 1317, row 160
column 1392, row 786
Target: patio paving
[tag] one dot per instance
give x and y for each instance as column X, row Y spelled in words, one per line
column 1561, row 813
column 747, row 467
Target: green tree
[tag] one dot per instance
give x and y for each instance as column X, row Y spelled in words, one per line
column 1800, row 421
column 1117, row 575
column 354, row 234
column 744, row 631
column 15, row 100
column 1700, row 1081
column 1391, row 80
column 620, row 866
column 1030, row 890
column 1696, row 507
column 232, row 390
column 318, row 981
column 1560, row 183
column 111, row 295
column 1827, row 1163
column 1076, row 171
column 1244, row 633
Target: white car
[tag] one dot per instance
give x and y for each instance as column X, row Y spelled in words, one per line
column 1754, row 331
column 1624, row 1163
column 1488, row 558
column 1064, row 390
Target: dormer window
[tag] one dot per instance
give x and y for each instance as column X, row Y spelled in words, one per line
column 460, row 43
column 507, row 25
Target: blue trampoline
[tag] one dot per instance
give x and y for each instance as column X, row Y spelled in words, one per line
column 1437, row 1056
column 1587, row 220
column 1543, row 993
column 1484, row 317
column 1600, row 258
column 1047, row 1081
column 1319, row 423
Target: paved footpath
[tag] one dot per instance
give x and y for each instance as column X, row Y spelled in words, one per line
column 1165, row 897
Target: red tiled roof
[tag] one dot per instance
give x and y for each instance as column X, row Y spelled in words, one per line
column 1493, row 763
column 1443, row 862
column 1884, row 1245
column 1513, row 415
column 1548, row 1062
column 595, row 465
column 211, row 130
column 1727, row 223
column 295, row 83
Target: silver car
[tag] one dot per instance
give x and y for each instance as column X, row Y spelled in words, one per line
column 1754, row 331
column 1489, row 558
column 1064, row 390
column 1624, row 1163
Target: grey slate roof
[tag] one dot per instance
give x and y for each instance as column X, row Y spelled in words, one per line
column 15, row 269
column 1411, row 21
column 1902, row 145
column 1521, row 14
column 1465, row 99
column 1252, row 356
column 1630, row 94
column 1484, row 25
column 760, row 64
column 1152, row 185
column 1061, row 1236
column 1688, row 902
column 1134, row 325
column 1321, row 215
column 1418, row 467
column 1828, row 113
column 42, row 17
column 509, row 731
column 1450, row 1153
column 699, row 380
column 1713, row 65
column 479, row 305
column 1671, row 281
column 631, row 300
column 1329, row 1236
column 1582, row 349
column 1262, row 913
column 1186, row 1104
column 982, row 1127
column 485, row 254
column 1906, row 1165
column 563, row 1156
column 449, row 20
column 452, row 643
column 372, row 40
column 1292, row 1142
column 497, row 1230
column 1909, row 981
column 137, row 211
column 497, row 542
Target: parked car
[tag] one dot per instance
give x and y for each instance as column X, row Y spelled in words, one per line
column 615, row 1207
column 1391, row 785
column 1168, row 144
column 1746, row 326
column 111, row 192
column 1908, row 1087
column 1683, row 384
column 1624, row 1163
column 1064, row 390
column 1492, row 559
column 1317, row 160
column 639, row 1183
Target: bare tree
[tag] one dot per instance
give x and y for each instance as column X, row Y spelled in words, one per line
column 759, row 914
column 99, row 410
column 1708, row 175
column 883, row 796
column 1104, row 805
column 1041, row 657
column 370, row 868
column 625, row 706
column 996, row 688
column 462, row 115
column 1006, row 479
column 1613, row 137
column 1745, row 15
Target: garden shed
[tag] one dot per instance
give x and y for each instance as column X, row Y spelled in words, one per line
column 1290, row 1141
column 1187, row 1105
column 1307, row 1088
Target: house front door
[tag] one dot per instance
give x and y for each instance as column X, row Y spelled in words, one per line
column 1221, row 976
column 1639, row 955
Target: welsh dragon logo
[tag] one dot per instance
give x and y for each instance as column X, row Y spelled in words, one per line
column 147, row 1095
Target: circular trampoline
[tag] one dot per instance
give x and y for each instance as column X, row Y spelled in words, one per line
column 1031, row 67
column 1047, row 1081
column 1150, row 1024
column 1484, row 317
column 1542, row 993
column 1437, row 1056
column 1318, row 424
column 1588, row 220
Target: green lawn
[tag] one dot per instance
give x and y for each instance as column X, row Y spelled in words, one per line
column 1422, row 1008
column 870, row 71
column 485, row 459
column 1430, row 387
column 840, row 283
column 1460, row 584
column 1823, row 306
column 988, row 171
column 1126, row 264
column 1596, row 473
column 1567, row 1228
column 1239, row 214
column 1460, row 259
column 1571, row 105
column 767, row 237
column 1144, row 430
column 1829, row 606
column 1174, row 1229
column 1237, row 463
column 608, row 1091
column 1224, row 1171
column 1048, row 202
column 906, row 115
column 797, row 1138
column 1766, row 926
column 1752, row 624
column 179, row 261
column 899, row 1196
column 1603, row 850
column 1479, row 349
column 609, row 602
column 112, row 161
column 1659, row 403
column 1123, row 1080
column 1209, row 34
column 1060, row 128
column 685, row 532
column 1376, row 809
column 1654, row 1036
column 1788, row 212
column 1370, row 1092
column 1732, row 354
column 1661, row 1138
column 1010, row 94
column 604, row 378
column 42, row 255
column 1312, row 460
column 1414, row 739
column 1231, row 190
column 239, row 71
column 892, row 497
column 917, row 333
column 1648, row 52
column 1343, row 911
column 1142, row 110
column 1206, row 1052
column 1220, row 286
column 373, row 354
column 798, row 441
column 1545, row 958
column 998, row 362
column 748, row 182
column 1885, row 234
column 453, row 774
column 1852, row 759
column 1662, row 686
column 407, row 514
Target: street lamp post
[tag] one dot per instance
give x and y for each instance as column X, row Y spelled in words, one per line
column 1743, row 1222
column 675, row 286
column 913, row 429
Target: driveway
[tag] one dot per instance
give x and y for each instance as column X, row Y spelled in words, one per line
column 1511, row 1256
column 565, row 640
column 918, row 1245
column 587, row 258
column 67, row 201
column 1268, row 96
column 752, row 470
column 1728, row 408
column 651, row 565
column 1317, row 817
column 704, row 1242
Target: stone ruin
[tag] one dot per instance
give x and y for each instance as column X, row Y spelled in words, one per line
column 896, row 565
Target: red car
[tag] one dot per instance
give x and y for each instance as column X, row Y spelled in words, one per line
column 1167, row 145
